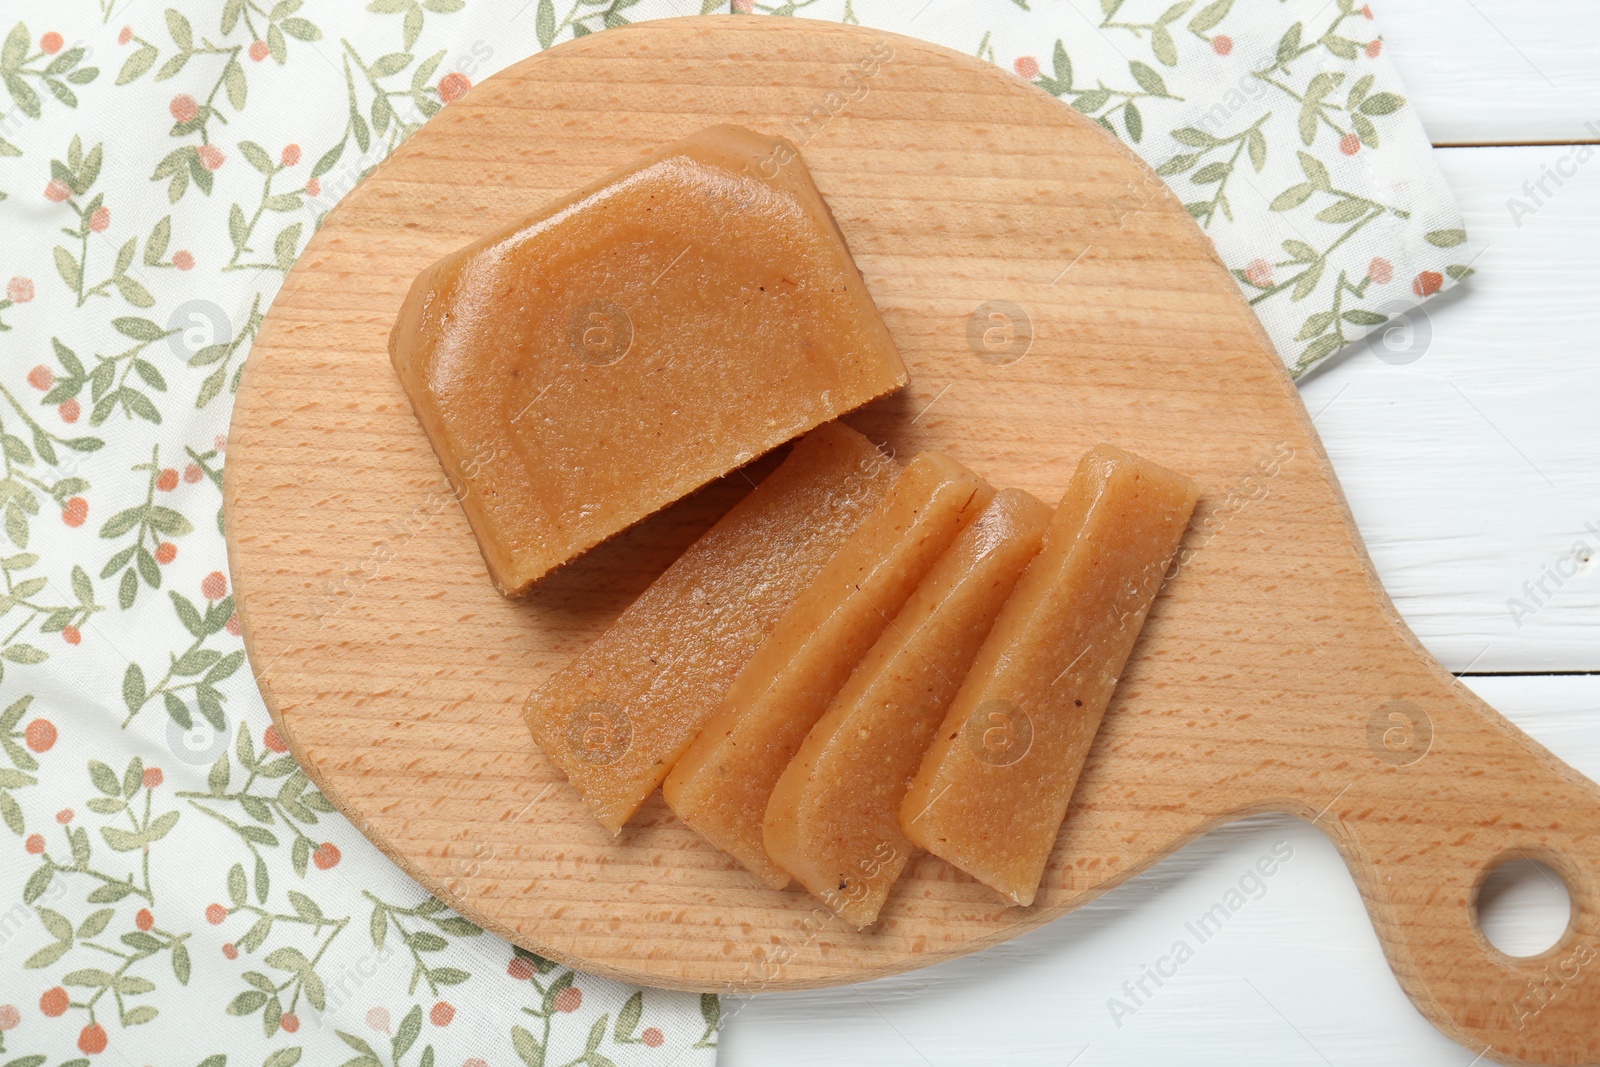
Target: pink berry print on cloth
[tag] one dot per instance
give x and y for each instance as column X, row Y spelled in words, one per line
column 173, row 889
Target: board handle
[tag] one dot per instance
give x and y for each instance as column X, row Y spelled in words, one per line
column 1477, row 793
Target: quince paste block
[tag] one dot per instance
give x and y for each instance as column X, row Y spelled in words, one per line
column 994, row 786
column 722, row 783
column 834, row 818
column 584, row 367
column 618, row 716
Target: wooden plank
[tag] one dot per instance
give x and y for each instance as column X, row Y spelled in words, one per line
column 1298, row 958
column 1498, row 71
column 1472, row 469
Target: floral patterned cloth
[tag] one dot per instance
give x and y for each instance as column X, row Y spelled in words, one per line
column 1281, row 124
column 172, row 889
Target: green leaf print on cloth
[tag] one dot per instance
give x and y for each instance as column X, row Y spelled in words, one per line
column 174, row 890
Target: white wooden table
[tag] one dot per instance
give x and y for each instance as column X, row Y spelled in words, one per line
column 1471, row 470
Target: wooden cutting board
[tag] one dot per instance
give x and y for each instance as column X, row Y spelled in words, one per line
column 1047, row 292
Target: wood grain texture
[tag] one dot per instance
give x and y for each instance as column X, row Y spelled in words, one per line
column 1295, row 978
column 1269, row 666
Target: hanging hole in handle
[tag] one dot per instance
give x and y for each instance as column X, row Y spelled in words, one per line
column 1523, row 907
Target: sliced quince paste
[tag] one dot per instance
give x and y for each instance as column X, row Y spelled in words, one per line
column 994, row 786
column 834, row 818
column 722, row 783
column 618, row 717
column 590, row 364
